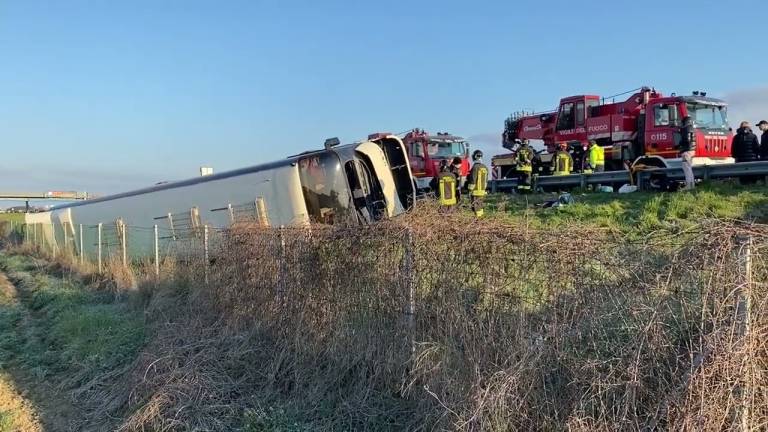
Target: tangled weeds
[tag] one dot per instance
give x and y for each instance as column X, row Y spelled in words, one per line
column 436, row 321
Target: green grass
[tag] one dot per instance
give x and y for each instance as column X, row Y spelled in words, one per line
column 12, row 217
column 67, row 328
column 7, row 422
column 642, row 212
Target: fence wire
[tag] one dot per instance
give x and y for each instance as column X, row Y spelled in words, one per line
column 489, row 325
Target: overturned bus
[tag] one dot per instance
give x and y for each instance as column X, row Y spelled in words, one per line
column 361, row 182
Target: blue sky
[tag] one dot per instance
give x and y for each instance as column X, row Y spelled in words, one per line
column 106, row 96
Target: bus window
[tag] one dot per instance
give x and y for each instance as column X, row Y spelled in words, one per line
column 324, row 186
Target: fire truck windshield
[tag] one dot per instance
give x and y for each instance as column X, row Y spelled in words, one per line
column 446, row 149
column 708, row 116
column 325, row 188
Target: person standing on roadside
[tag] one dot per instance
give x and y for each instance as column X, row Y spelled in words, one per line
column 477, row 184
column 763, row 126
column 745, row 146
column 525, row 157
column 455, row 169
column 687, row 148
column 562, row 161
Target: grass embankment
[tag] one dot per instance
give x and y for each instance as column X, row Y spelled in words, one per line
column 58, row 339
column 12, row 217
column 325, row 346
column 641, row 212
column 16, row 413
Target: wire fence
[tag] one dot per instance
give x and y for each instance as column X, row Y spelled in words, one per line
column 481, row 325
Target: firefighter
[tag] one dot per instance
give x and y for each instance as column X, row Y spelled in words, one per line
column 524, row 166
column 455, row 169
column 562, row 161
column 477, row 183
column 446, row 188
column 595, row 160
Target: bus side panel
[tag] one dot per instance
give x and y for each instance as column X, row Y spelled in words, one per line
column 41, row 229
column 279, row 188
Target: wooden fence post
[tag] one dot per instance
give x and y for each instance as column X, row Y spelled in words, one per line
column 744, row 323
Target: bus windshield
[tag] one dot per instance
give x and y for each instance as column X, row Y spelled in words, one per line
column 325, row 188
column 708, row 116
column 446, row 149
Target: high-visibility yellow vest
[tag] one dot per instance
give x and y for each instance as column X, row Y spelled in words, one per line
column 596, row 156
column 447, row 189
column 524, row 158
column 481, row 182
column 478, row 181
column 563, row 163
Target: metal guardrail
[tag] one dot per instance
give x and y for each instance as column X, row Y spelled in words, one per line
column 68, row 196
column 708, row 172
column 705, row 172
column 580, row 180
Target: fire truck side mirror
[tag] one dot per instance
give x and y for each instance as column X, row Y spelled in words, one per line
column 673, row 115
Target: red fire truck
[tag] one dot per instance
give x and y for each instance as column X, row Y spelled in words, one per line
column 644, row 129
column 425, row 152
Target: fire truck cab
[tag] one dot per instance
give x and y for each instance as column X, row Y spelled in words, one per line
column 425, row 152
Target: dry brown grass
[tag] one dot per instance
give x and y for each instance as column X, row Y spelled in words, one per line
column 513, row 328
column 16, row 413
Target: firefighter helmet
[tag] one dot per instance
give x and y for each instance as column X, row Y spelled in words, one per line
column 477, row 155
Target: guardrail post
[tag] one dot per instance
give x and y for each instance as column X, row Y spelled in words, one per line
column 99, row 247
column 706, row 172
column 157, row 254
column 641, row 181
column 493, row 186
column 583, row 179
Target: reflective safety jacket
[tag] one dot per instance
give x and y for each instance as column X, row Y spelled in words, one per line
column 563, row 163
column 446, row 189
column 524, row 159
column 478, row 180
column 595, row 157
